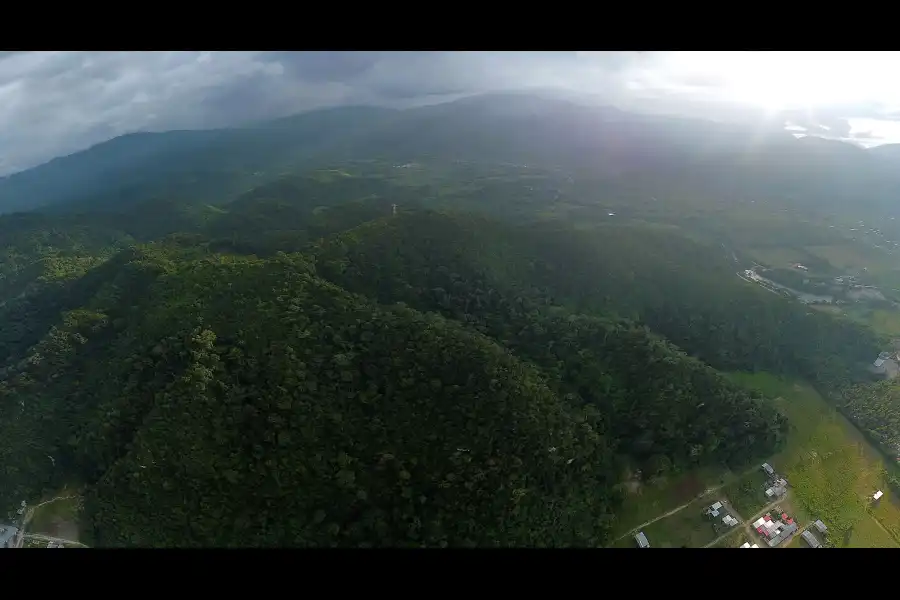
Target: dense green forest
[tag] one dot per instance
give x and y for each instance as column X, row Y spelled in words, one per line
column 194, row 388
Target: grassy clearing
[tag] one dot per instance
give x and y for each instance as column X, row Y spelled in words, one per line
column 777, row 256
column 885, row 321
column 853, row 257
column 866, row 533
column 827, row 308
column 734, row 539
column 58, row 518
column 747, row 494
column 649, row 500
column 831, row 468
column 686, row 528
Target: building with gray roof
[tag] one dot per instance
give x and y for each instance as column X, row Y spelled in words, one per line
column 8, row 536
column 811, row 539
column 641, row 539
column 785, row 533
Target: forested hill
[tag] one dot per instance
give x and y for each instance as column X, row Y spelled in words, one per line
column 196, row 390
column 679, row 288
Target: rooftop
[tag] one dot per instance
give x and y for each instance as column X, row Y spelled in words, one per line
column 642, row 540
column 820, row 526
column 811, row 539
column 7, row 532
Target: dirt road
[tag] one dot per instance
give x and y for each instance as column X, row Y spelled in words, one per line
column 47, row 538
column 683, row 506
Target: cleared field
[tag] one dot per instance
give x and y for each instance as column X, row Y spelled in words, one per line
column 826, row 308
column 57, row 519
column 853, row 257
column 687, row 528
column 778, row 256
column 649, row 500
column 866, row 533
column 831, row 468
column 885, row 321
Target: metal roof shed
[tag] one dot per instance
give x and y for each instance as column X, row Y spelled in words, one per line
column 641, row 539
column 811, row 539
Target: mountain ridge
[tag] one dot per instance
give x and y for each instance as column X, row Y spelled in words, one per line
column 505, row 127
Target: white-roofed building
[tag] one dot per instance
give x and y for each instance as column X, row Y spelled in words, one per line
column 878, row 495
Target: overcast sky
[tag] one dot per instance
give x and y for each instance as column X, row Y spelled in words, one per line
column 55, row 103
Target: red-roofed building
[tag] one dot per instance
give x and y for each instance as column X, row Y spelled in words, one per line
column 767, row 518
column 784, row 516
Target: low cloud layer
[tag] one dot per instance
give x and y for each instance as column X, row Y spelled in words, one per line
column 55, row 103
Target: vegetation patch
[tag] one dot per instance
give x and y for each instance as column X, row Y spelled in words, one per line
column 58, row 518
column 832, row 470
column 747, row 494
column 689, row 527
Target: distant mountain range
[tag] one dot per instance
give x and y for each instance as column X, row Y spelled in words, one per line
column 214, row 166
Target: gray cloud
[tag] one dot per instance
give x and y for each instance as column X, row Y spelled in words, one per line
column 54, row 103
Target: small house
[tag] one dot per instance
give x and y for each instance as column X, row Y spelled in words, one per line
column 714, row 509
column 878, row 495
column 745, row 545
column 811, row 539
column 729, row 520
column 820, row 526
column 641, row 540
column 768, row 468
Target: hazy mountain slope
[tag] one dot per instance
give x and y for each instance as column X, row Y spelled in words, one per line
column 216, row 166
column 191, row 166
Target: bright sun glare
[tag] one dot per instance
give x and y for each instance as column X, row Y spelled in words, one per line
column 780, row 79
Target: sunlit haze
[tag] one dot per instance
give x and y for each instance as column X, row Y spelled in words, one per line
column 54, row 103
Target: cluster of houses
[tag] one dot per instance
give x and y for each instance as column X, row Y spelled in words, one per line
column 776, row 487
column 717, row 509
column 775, row 531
